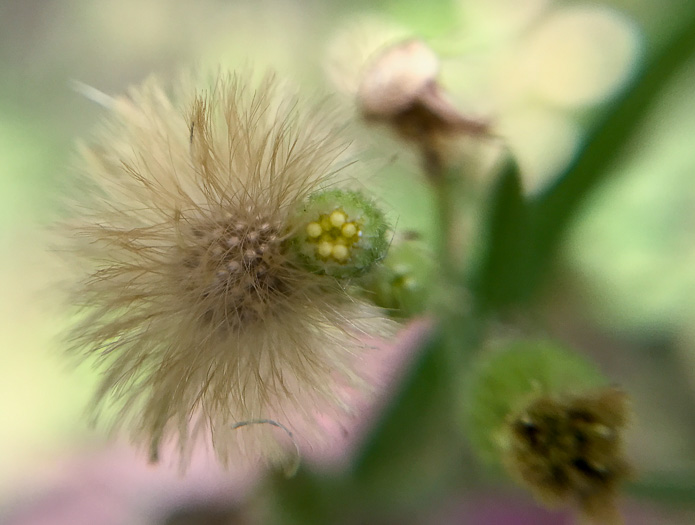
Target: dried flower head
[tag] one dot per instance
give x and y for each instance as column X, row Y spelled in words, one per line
column 400, row 87
column 571, row 449
column 193, row 301
column 547, row 416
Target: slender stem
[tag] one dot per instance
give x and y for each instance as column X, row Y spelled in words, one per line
column 453, row 305
column 446, row 227
column 460, row 329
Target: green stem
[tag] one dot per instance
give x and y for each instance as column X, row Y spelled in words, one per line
column 453, row 303
column 445, row 190
column 460, row 327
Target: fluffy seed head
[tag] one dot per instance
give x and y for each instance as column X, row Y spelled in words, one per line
column 192, row 302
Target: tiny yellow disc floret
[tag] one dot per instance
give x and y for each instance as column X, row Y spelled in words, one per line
column 333, row 235
column 343, row 234
column 325, row 248
column 314, row 230
column 338, row 218
column 349, row 230
column 340, row 252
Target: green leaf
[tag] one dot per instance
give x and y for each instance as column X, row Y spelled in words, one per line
column 307, row 497
column 502, row 264
column 524, row 239
column 410, row 453
column 552, row 211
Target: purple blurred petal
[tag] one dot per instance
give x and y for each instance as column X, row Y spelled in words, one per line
column 116, row 486
column 341, row 435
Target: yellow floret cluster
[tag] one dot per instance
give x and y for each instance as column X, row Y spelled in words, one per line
column 334, row 235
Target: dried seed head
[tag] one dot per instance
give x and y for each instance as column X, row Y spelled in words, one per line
column 193, row 303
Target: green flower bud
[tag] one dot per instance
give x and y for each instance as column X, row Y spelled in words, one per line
column 402, row 284
column 340, row 233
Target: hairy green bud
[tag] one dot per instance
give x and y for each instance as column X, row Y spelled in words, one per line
column 340, row 233
column 403, row 283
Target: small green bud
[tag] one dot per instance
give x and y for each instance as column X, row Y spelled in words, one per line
column 402, row 284
column 340, row 233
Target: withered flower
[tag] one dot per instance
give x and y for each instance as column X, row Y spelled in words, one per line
column 399, row 87
column 571, row 449
column 548, row 417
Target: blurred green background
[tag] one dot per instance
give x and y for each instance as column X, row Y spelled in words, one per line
column 543, row 70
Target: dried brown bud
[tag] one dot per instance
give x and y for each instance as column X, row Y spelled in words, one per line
column 400, row 88
column 396, row 77
column 571, row 450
